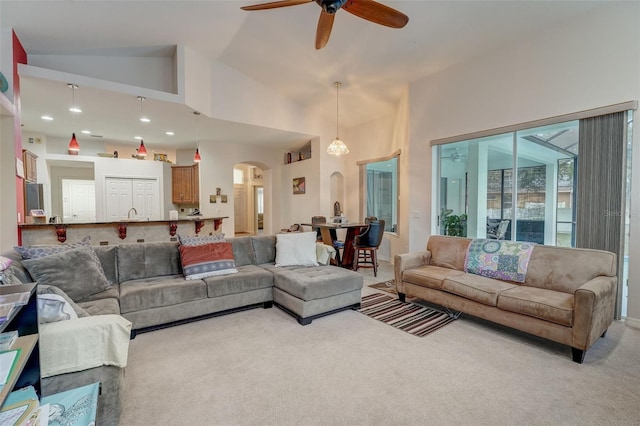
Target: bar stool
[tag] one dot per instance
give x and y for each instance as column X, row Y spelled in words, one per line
column 366, row 246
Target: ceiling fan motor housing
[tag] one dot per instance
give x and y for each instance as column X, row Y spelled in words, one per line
column 331, row 6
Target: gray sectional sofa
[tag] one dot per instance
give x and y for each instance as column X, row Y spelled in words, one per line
column 148, row 289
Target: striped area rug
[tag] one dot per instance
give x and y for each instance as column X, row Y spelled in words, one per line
column 414, row 319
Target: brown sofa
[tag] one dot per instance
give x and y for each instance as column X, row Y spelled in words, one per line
column 568, row 295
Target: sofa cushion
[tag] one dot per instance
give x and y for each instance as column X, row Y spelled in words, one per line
column 565, row 268
column 248, row 278
column 264, row 247
column 107, row 256
column 101, row 307
column 36, row 252
column 315, row 282
column 75, row 271
column 549, row 305
column 147, row 293
column 113, row 292
column 429, row 276
column 243, row 251
column 138, row 261
column 207, row 260
column 475, row 287
column 448, row 252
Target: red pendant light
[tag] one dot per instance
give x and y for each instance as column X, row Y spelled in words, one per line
column 196, row 155
column 74, row 146
column 142, row 151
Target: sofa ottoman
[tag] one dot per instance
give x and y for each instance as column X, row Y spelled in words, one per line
column 309, row 292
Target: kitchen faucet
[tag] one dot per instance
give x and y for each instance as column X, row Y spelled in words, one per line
column 135, row 212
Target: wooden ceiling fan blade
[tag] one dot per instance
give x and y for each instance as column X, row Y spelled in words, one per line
column 376, row 12
column 275, row 4
column 325, row 24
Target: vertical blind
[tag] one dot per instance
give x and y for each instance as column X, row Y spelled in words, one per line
column 601, row 186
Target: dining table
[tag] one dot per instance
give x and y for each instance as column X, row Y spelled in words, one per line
column 329, row 237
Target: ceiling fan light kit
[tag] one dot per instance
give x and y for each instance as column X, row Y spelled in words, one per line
column 369, row 10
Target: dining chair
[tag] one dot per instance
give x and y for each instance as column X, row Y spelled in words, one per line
column 318, row 219
column 366, row 246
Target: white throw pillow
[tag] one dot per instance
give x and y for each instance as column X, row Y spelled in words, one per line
column 296, row 249
column 53, row 308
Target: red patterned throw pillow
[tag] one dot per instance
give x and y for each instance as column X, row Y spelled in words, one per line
column 207, row 260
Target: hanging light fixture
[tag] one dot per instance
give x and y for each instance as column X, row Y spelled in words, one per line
column 143, row 117
column 74, row 146
column 142, row 151
column 337, row 147
column 196, row 156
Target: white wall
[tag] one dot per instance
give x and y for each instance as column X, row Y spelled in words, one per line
column 588, row 62
column 8, row 205
column 151, row 72
column 381, row 138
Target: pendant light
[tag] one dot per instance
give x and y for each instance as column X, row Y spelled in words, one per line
column 142, row 150
column 337, row 147
column 196, row 156
column 143, row 118
column 74, row 146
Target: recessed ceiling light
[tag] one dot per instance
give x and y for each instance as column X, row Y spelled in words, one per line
column 86, row 132
column 145, row 120
column 75, row 109
column 138, row 137
column 170, row 133
column 47, row 117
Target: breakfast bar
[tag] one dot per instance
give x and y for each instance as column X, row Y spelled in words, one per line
column 114, row 232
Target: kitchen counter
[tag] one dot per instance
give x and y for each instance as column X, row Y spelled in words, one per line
column 145, row 230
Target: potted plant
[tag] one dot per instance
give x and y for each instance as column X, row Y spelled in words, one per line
column 454, row 225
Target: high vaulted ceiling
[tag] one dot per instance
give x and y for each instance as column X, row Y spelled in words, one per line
column 276, row 48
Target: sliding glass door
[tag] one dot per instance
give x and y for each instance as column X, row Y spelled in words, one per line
column 514, row 186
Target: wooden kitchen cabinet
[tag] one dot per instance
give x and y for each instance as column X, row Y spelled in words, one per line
column 30, row 166
column 185, row 184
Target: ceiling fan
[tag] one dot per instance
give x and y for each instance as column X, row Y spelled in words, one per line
column 366, row 9
column 455, row 156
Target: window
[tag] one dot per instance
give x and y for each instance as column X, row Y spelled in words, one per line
column 524, row 178
column 379, row 190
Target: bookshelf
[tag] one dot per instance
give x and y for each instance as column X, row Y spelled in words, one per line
column 25, row 320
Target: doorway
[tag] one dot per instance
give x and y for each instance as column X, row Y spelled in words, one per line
column 78, row 200
column 248, row 199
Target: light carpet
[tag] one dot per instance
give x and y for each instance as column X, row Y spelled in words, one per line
column 260, row 367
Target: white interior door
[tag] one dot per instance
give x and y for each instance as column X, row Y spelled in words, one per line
column 119, row 197
column 123, row 194
column 146, row 198
column 78, row 200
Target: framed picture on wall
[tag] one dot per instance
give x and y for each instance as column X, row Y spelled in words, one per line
column 298, row 185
